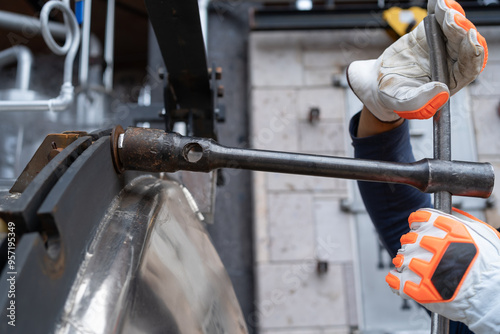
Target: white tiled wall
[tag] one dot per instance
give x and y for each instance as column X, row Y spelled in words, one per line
column 298, row 220
column 293, row 296
column 486, row 115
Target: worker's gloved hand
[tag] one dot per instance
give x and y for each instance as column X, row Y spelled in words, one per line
column 398, row 83
column 451, row 265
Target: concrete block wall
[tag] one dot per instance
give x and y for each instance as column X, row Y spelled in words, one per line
column 485, row 99
column 297, row 219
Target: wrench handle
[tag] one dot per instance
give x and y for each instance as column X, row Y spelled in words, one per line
column 442, row 130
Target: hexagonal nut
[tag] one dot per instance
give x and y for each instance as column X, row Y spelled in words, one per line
column 218, row 73
column 220, row 91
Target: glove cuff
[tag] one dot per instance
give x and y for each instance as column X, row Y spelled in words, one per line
column 362, row 77
column 483, row 310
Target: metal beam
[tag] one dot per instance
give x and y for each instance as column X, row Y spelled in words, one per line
column 178, row 30
column 362, row 18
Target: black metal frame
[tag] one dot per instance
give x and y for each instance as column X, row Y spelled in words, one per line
column 59, row 227
column 361, row 17
column 189, row 87
column 22, row 211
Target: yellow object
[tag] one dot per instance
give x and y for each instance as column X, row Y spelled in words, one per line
column 402, row 21
column 3, row 226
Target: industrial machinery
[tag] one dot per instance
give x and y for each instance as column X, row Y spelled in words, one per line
column 133, row 256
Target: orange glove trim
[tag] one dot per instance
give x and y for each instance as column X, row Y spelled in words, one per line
column 482, row 41
column 464, row 23
column 409, row 238
column 419, row 217
column 398, row 260
column 455, row 5
column 426, row 292
column 393, row 281
column 478, row 220
column 428, row 110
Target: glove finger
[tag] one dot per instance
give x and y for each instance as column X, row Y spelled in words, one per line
column 482, row 42
column 420, row 226
column 393, row 278
column 398, row 280
column 453, row 31
column 418, row 218
column 411, row 247
column 442, row 8
column 439, row 7
column 475, row 44
column 459, row 24
column 412, row 99
column 451, row 17
column 410, row 250
column 470, row 62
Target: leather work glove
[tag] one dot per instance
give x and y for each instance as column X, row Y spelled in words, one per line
column 451, row 265
column 398, row 83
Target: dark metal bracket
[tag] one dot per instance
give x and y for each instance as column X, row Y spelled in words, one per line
column 190, row 91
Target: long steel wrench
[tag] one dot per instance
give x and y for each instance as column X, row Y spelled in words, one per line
column 154, row 150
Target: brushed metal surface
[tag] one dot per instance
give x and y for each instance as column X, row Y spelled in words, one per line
column 151, row 269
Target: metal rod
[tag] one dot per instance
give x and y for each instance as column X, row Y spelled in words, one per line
column 154, row 150
column 18, row 22
column 85, row 51
column 442, row 130
column 439, row 324
column 70, row 47
column 109, row 46
column 60, row 103
column 24, row 58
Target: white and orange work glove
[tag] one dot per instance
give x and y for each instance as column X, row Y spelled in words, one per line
column 398, row 83
column 451, row 265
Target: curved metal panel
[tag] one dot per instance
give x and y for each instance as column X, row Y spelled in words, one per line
column 151, row 269
column 47, row 262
